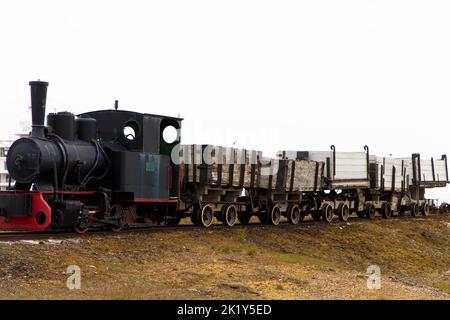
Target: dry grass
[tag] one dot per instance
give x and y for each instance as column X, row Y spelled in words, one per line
column 309, row 261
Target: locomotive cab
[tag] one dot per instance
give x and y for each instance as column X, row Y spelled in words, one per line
column 142, row 168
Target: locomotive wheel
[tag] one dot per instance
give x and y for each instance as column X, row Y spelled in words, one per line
column 230, row 215
column 370, row 211
column 343, row 212
column 414, row 209
column 294, row 214
column 116, row 211
column 425, row 209
column 274, row 216
column 206, row 216
column 80, row 230
column 327, row 213
column 386, row 211
column 83, row 221
column 244, row 218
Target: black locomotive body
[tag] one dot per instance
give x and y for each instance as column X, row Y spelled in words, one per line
column 98, row 169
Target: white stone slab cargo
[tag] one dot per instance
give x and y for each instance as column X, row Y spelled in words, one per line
column 342, row 169
column 387, row 174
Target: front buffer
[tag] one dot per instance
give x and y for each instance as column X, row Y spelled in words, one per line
column 24, row 211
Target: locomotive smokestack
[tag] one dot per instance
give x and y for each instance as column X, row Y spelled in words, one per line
column 38, row 100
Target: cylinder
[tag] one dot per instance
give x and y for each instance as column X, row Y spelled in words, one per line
column 62, row 124
column 86, row 128
column 38, row 101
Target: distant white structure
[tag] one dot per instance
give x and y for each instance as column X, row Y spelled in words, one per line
column 4, row 177
column 24, row 128
column 23, row 131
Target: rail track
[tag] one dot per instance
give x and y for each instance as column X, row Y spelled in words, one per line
column 61, row 235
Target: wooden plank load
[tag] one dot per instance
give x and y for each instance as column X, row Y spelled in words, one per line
column 305, row 175
column 190, row 154
column 270, row 174
column 387, row 174
column 290, row 175
column 220, row 171
column 220, row 166
column 341, row 169
column 246, row 168
column 241, row 168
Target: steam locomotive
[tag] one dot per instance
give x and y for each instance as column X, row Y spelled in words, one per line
column 113, row 168
column 82, row 172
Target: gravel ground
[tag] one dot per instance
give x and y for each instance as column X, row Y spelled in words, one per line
column 308, row 261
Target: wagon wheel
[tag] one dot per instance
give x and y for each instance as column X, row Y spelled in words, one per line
column 116, row 212
column 230, row 215
column 343, row 212
column 414, row 209
column 205, row 216
column 386, row 210
column 327, row 213
column 425, row 209
column 370, row 211
column 294, row 214
column 274, row 215
column 444, row 208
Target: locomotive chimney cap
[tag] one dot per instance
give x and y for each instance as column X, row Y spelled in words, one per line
column 38, row 83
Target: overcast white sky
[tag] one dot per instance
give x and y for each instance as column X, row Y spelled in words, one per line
column 270, row 75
